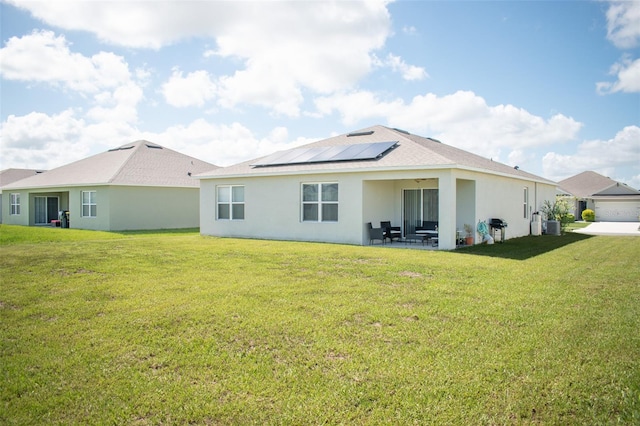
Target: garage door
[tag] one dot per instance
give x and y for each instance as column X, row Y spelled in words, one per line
column 617, row 211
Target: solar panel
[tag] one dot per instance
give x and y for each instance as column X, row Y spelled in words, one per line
column 373, row 150
column 328, row 154
column 325, row 154
column 310, row 153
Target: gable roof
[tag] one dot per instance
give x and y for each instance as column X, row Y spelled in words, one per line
column 140, row 163
column 8, row 176
column 412, row 152
column 589, row 184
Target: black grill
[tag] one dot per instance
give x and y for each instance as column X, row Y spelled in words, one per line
column 497, row 223
column 500, row 224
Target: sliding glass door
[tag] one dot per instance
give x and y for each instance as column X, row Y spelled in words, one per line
column 45, row 209
column 419, row 205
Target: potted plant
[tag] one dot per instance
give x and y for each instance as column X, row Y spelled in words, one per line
column 468, row 230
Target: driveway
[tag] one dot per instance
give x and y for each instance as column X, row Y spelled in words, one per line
column 611, row 228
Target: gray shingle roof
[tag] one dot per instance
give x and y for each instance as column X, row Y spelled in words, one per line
column 8, row 176
column 414, row 152
column 588, row 184
column 140, row 163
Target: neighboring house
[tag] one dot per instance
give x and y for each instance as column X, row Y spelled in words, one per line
column 610, row 200
column 329, row 190
column 11, row 175
column 140, row 185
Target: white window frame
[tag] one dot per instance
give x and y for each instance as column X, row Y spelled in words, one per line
column 319, row 203
column 526, row 202
column 14, row 201
column 231, row 202
column 91, row 203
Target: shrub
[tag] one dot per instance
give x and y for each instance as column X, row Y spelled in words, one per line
column 588, row 215
column 571, row 218
column 558, row 210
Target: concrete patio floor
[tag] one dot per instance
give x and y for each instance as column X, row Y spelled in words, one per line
column 596, row 228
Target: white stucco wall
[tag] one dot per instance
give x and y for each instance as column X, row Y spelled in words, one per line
column 98, row 223
column 273, row 210
column 135, row 207
column 27, row 197
column 273, row 204
column 503, row 198
column 117, row 207
column 23, row 217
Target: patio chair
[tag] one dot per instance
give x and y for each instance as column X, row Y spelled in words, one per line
column 391, row 232
column 375, row 234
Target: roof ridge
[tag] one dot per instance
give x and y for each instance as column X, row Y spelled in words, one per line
column 136, row 147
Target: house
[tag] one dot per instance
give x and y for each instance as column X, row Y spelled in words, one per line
column 8, row 176
column 140, row 185
column 329, row 190
column 611, row 201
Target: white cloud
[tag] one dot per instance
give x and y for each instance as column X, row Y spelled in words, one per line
column 623, row 23
column 119, row 106
column 270, row 40
column 271, row 90
column 103, row 79
column 462, row 119
column 602, row 156
column 36, row 130
column 193, row 90
column 279, row 62
column 518, row 157
column 44, row 57
column 222, row 145
column 408, row 72
column 634, row 181
column 409, row 30
column 147, row 24
column 628, row 77
column 38, row 140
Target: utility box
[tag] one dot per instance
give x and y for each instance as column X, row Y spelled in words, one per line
column 553, row 227
column 536, row 225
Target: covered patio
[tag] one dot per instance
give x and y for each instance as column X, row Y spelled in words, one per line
column 417, row 204
column 46, row 207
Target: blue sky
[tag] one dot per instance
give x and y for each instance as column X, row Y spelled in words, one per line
column 553, row 87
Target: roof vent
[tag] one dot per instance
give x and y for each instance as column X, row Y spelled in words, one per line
column 122, row 148
column 435, row 140
column 370, row 132
column 152, row 146
column 401, row 131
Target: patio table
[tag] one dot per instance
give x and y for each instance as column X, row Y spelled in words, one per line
column 428, row 235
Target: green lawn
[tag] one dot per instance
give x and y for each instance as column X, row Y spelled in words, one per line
column 176, row 328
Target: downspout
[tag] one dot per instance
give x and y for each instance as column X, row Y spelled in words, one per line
column 535, row 195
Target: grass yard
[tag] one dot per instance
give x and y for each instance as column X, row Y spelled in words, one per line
column 176, row 328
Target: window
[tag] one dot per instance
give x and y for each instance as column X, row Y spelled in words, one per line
column 231, row 202
column 320, row 202
column 89, row 208
column 526, row 202
column 15, row 203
